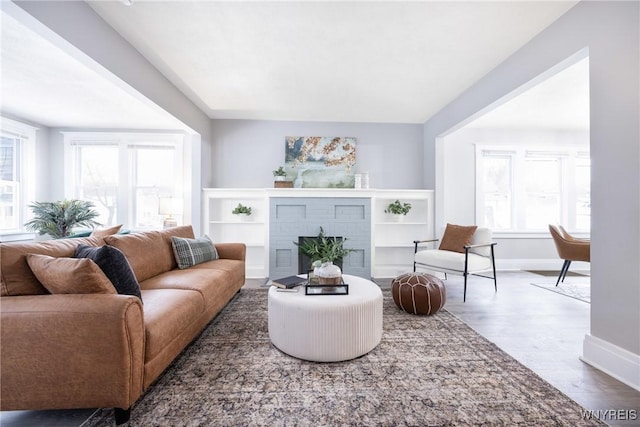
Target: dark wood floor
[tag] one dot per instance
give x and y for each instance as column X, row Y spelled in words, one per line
column 541, row 329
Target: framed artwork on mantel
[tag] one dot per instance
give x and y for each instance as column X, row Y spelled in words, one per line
column 320, row 162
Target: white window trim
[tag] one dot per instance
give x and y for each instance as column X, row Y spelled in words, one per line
column 122, row 140
column 27, row 175
column 519, row 154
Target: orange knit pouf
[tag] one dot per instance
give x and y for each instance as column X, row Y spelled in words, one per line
column 418, row 293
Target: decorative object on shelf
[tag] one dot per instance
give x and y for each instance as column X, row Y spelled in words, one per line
column 398, row 210
column 280, row 179
column 169, row 206
column 243, row 212
column 341, row 289
column 280, row 174
column 361, row 180
column 323, row 249
column 321, row 162
column 57, row 219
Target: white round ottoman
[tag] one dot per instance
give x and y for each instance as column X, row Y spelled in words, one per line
column 327, row 328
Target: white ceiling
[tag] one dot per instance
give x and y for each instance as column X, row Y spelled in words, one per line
column 397, row 62
column 560, row 102
column 41, row 83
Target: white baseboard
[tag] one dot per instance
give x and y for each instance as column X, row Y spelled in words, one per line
column 615, row 361
column 539, row 264
column 390, row 270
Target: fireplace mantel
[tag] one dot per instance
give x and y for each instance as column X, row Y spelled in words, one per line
column 390, row 243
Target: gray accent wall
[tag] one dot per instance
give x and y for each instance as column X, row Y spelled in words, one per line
column 610, row 32
column 245, row 152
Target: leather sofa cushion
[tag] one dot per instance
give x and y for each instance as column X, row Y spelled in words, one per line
column 206, row 281
column 16, row 278
column 69, row 275
column 149, row 253
column 234, row 268
column 102, row 232
column 167, row 314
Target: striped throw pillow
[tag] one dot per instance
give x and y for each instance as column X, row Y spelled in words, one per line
column 190, row 252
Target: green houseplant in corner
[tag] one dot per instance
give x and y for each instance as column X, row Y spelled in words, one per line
column 58, row 219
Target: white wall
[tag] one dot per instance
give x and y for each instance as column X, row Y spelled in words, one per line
column 245, row 152
column 609, row 30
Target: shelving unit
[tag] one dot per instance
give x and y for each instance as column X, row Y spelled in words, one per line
column 224, row 227
column 391, row 240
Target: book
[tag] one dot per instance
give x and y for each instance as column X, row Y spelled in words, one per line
column 288, row 282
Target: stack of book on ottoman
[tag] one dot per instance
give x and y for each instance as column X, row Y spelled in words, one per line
column 289, row 282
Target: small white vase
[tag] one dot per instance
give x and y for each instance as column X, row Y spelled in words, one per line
column 397, row 217
column 244, row 217
column 328, row 274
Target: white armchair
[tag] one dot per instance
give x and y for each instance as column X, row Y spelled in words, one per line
column 471, row 258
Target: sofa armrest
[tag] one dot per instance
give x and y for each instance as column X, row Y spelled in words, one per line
column 232, row 250
column 71, row 351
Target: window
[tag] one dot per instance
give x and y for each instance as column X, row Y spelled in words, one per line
column 125, row 175
column 17, row 174
column 527, row 189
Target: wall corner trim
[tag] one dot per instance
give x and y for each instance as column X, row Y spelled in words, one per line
column 615, row 361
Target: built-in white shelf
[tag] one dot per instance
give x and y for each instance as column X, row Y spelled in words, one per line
column 391, row 241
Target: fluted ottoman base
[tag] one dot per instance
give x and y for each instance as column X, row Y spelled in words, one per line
column 418, row 293
column 327, row 328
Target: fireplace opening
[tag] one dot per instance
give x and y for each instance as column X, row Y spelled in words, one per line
column 304, row 262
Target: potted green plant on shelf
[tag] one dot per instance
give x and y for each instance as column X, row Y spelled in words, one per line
column 58, row 219
column 279, row 174
column 242, row 211
column 326, row 254
column 280, row 177
column 398, row 210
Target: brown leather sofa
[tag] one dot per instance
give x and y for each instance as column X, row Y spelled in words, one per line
column 104, row 350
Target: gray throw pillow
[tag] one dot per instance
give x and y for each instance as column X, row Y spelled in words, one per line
column 114, row 265
column 190, row 252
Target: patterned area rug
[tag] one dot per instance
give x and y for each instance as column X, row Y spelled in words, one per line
column 427, row 371
column 579, row 291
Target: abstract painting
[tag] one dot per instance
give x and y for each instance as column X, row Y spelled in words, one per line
column 320, row 162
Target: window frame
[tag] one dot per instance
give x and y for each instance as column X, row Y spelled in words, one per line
column 26, row 175
column 568, row 156
column 126, row 144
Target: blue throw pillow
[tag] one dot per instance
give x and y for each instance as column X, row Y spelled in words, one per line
column 114, row 265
